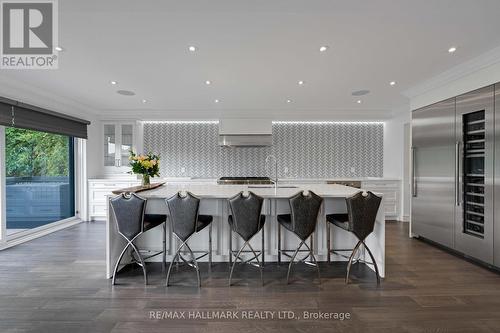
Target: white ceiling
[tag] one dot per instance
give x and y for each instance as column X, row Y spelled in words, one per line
column 254, row 52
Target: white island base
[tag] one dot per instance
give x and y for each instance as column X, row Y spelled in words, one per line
column 214, row 202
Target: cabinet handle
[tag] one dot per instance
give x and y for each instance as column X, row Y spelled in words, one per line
column 457, row 173
column 413, row 181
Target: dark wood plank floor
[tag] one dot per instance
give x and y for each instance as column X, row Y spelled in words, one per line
column 56, row 284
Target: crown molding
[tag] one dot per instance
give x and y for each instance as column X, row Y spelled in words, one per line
column 30, row 94
column 471, row 66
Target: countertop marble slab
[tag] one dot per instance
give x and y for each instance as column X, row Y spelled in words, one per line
column 267, row 191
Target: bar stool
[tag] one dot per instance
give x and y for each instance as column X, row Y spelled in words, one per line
column 185, row 223
column 360, row 219
column 131, row 222
column 246, row 220
column 305, row 209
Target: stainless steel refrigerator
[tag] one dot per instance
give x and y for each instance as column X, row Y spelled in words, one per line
column 453, row 173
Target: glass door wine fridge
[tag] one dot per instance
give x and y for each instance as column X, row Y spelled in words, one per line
column 474, row 174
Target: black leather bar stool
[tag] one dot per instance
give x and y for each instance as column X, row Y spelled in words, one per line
column 185, row 223
column 131, row 222
column 246, row 220
column 302, row 222
column 360, row 219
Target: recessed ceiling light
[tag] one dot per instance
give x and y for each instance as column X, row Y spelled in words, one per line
column 323, row 48
column 289, row 101
column 208, row 82
column 58, row 49
column 113, row 82
column 144, row 101
column 192, row 48
column 392, row 83
column 358, row 101
column 216, row 101
column 301, row 82
column 452, row 49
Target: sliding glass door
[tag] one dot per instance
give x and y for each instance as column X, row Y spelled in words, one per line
column 39, row 179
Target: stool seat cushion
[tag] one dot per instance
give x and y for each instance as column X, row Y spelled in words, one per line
column 286, row 221
column 203, row 222
column 340, row 220
column 153, row 220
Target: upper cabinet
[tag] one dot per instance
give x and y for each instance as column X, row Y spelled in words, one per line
column 118, row 139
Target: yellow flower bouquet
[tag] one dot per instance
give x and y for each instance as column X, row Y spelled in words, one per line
column 147, row 165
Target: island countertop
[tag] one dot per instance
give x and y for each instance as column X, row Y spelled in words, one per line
column 215, row 191
column 214, row 202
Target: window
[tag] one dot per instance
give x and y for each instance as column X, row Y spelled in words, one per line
column 40, row 187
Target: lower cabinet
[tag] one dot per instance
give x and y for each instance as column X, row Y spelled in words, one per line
column 391, row 191
column 99, row 189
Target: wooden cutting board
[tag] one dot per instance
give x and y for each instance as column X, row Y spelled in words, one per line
column 137, row 189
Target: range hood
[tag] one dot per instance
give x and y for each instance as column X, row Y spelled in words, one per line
column 245, row 132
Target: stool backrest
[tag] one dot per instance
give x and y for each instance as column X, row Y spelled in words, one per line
column 362, row 211
column 129, row 210
column 305, row 210
column 183, row 214
column 246, row 212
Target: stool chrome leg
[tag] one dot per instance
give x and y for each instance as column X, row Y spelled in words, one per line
column 230, row 246
column 374, row 262
column 328, row 245
column 279, row 244
column 143, row 264
column 210, row 245
column 235, row 261
column 130, row 243
column 311, row 240
column 164, row 256
column 255, row 256
column 291, row 262
column 118, row 263
column 263, row 240
column 315, row 261
column 356, row 248
column 175, row 259
column 258, row 263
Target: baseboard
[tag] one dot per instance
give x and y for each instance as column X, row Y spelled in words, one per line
column 39, row 233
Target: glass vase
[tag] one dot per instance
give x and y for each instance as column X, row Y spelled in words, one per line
column 146, row 180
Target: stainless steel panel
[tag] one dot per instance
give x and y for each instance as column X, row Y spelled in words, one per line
column 433, row 142
column 496, row 226
column 471, row 245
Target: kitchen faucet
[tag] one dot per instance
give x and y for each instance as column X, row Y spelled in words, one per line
column 275, row 160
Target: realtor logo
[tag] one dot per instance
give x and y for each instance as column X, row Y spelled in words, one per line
column 29, row 34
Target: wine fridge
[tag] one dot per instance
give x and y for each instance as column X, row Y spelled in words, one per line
column 453, row 173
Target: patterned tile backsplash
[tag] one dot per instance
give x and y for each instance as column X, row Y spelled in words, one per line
column 304, row 150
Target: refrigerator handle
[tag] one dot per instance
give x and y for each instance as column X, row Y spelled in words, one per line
column 413, row 182
column 457, row 173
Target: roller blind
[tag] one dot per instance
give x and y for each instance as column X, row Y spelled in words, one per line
column 20, row 115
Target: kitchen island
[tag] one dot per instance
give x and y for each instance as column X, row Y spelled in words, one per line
column 214, row 202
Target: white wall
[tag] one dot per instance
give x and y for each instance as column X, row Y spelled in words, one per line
column 394, row 149
column 393, row 143
column 94, row 154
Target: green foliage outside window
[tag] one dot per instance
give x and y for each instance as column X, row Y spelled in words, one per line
column 31, row 153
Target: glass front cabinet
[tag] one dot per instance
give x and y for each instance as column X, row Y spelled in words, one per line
column 118, row 139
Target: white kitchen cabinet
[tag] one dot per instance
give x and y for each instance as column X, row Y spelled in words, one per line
column 391, row 191
column 118, row 139
column 99, row 189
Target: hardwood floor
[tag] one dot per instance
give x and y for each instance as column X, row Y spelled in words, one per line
column 56, row 284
